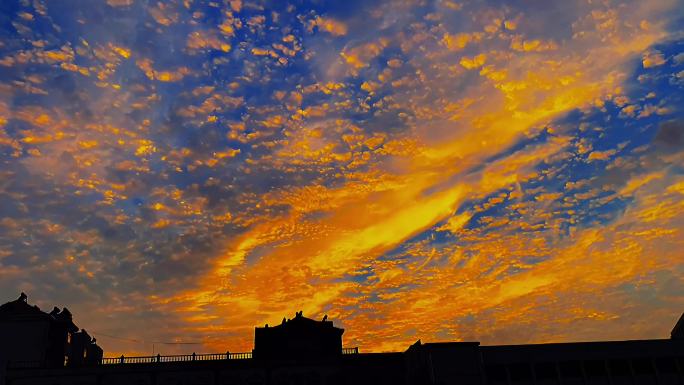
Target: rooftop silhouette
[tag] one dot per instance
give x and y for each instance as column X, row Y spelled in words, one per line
column 48, row 348
column 298, row 337
column 32, row 336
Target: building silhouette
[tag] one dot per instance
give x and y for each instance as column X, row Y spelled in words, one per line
column 306, row 351
column 299, row 337
column 30, row 336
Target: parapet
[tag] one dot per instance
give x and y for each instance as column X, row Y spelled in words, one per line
column 299, row 337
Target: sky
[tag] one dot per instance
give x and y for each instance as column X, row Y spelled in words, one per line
column 498, row 171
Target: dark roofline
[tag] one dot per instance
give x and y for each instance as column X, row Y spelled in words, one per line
column 20, row 308
column 678, row 329
column 581, row 343
column 300, row 319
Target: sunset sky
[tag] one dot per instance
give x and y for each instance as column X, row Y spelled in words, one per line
column 496, row 171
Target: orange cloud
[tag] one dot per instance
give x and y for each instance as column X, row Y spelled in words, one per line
column 329, row 25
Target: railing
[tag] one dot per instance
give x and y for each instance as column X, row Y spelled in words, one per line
column 193, row 357
column 240, row 356
column 176, row 358
column 160, row 358
column 354, row 350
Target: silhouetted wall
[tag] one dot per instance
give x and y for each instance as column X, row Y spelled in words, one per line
column 305, row 351
column 28, row 334
column 31, row 337
column 298, row 338
column 83, row 350
column 648, row 362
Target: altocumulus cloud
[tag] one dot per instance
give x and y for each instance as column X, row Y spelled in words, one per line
column 415, row 169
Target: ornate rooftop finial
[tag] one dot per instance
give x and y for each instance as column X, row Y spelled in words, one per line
column 65, row 313
column 23, row 297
